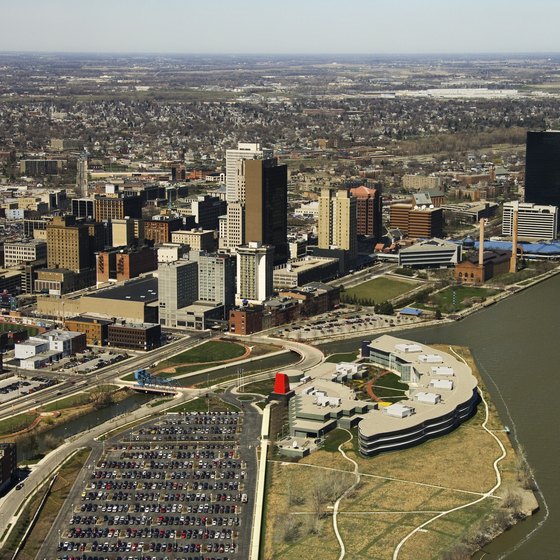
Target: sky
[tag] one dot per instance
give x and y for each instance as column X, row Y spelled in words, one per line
column 283, row 27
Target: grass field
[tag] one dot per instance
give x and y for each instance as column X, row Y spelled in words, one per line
column 379, row 289
column 444, row 299
column 212, row 351
column 262, row 387
column 201, row 404
column 390, row 387
column 16, row 423
column 342, row 357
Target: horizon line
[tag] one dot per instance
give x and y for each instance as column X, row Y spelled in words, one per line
column 230, row 54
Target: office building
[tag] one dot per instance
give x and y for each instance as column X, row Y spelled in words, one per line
column 206, row 211
column 134, row 336
column 178, row 287
column 68, row 244
column 368, row 211
column 40, row 167
column 120, row 264
column 542, row 168
column 235, row 188
column 304, row 270
column 108, row 208
column 159, row 229
column 216, row 279
column 534, row 221
column 83, row 208
column 430, row 253
column 337, row 221
column 417, row 221
column 255, row 266
column 95, row 328
column 196, row 239
column 266, row 205
column 123, row 232
column 20, row 252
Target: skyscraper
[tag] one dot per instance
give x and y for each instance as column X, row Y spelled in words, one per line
column 266, row 205
column 337, row 221
column 254, row 272
column 235, row 188
column 542, row 168
column 368, row 211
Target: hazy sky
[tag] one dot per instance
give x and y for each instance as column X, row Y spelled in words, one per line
column 283, row 26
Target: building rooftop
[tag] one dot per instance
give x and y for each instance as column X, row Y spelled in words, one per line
column 374, row 422
column 142, row 289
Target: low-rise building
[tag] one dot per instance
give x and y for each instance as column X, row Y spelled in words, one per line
column 307, row 269
column 430, row 253
column 8, row 465
column 95, row 328
column 20, row 252
column 134, row 336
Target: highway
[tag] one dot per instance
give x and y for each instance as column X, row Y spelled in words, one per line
column 79, row 382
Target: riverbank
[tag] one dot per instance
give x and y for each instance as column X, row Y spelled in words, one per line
column 463, row 478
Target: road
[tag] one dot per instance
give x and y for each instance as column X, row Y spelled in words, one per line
column 103, row 375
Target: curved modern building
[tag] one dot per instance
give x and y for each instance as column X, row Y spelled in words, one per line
column 443, row 394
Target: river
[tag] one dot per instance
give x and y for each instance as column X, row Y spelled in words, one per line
column 516, row 346
column 31, row 446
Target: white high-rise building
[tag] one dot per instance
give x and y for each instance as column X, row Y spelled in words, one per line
column 534, row 221
column 235, row 190
column 255, row 267
column 177, row 287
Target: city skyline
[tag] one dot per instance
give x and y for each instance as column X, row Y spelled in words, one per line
column 313, row 27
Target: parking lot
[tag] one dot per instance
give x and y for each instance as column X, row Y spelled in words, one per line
column 176, row 488
column 14, row 387
column 337, row 323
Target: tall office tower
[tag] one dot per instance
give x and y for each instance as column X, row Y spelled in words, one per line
column 534, row 221
column 266, row 205
column 337, row 221
column 255, row 266
column 177, row 288
column 216, row 279
column 542, row 168
column 82, row 176
column 234, row 174
column 368, row 211
column 68, row 244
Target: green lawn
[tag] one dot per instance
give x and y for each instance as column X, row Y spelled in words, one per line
column 343, row 357
column 261, row 387
column 68, row 402
column 390, row 387
column 444, row 299
column 211, row 351
column 201, row 405
column 378, row 290
column 16, row 423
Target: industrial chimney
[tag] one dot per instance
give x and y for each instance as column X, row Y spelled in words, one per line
column 513, row 261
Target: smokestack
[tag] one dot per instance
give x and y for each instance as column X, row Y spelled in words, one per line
column 513, row 262
column 481, row 244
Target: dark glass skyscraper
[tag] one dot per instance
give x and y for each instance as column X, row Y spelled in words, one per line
column 542, row 168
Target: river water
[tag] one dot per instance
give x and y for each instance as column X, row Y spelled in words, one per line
column 29, row 447
column 516, row 345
